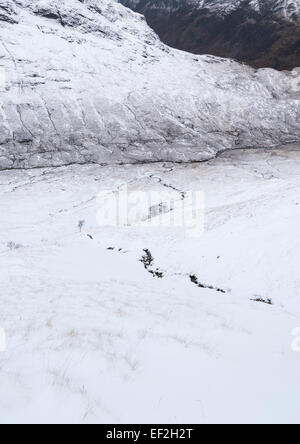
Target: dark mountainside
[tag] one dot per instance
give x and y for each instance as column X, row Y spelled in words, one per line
column 261, row 38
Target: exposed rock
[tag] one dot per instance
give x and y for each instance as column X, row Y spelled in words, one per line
column 88, row 81
column 8, row 12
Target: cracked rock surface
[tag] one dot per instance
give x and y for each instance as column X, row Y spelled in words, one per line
column 88, row 81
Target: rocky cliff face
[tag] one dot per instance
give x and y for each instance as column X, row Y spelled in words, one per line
column 263, row 33
column 88, row 81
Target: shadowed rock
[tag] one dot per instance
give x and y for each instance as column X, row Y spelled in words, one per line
column 262, row 33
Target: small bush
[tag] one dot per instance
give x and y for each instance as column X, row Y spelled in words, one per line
column 81, row 224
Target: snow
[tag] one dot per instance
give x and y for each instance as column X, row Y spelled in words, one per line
column 93, row 337
column 89, row 82
column 135, row 322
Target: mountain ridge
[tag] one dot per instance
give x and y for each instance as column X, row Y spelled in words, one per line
column 262, row 33
column 92, row 83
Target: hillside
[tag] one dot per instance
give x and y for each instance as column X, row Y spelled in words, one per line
column 90, row 82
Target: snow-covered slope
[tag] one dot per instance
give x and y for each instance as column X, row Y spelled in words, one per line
column 92, row 336
column 263, row 33
column 88, row 81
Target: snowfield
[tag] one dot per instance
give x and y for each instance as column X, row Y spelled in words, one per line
column 94, row 337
